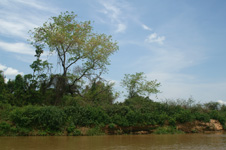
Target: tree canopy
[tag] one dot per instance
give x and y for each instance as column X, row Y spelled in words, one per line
column 137, row 85
column 80, row 52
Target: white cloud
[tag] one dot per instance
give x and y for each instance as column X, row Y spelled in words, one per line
column 6, row 80
column 9, row 71
column 145, row 27
column 12, row 72
column 221, row 102
column 154, row 38
column 2, row 67
column 20, row 48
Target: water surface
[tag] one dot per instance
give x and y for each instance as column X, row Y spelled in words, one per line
column 119, row 142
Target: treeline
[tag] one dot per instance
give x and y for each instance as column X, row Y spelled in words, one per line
column 27, row 112
column 23, row 91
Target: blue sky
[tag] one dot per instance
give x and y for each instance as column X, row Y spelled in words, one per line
column 181, row 43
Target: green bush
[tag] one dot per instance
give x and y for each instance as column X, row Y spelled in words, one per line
column 73, row 114
column 120, row 120
column 48, row 117
column 23, row 131
column 76, row 132
column 133, row 118
column 4, row 128
column 112, row 125
column 25, row 116
column 220, row 116
column 95, row 131
column 184, row 116
column 202, row 117
column 86, row 116
column 172, row 121
column 51, row 117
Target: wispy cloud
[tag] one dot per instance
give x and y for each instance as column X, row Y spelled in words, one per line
column 17, row 17
column 114, row 11
column 20, row 48
column 120, row 14
column 121, row 28
column 37, row 5
column 145, row 27
column 155, row 38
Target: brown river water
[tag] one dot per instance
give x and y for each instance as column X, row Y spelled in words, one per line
column 117, row 142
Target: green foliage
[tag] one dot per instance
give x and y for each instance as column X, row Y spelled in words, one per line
column 93, row 116
column 48, row 117
column 202, row 117
column 212, row 106
column 4, row 128
column 184, row 116
column 220, row 116
column 137, row 85
column 76, row 132
column 100, row 93
column 112, row 125
column 120, row 120
column 51, row 117
column 25, row 116
column 95, row 131
column 73, row 131
column 23, row 131
column 86, row 116
column 172, row 121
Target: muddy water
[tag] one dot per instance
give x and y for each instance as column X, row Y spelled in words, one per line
column 124, row 142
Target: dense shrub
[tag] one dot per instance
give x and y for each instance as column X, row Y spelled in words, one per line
column 51, row 117
column 95, row 131
column 4, row 128
column 86, row 116
column 220, row 116
column 48, row 117
column 184, row 116
column 120, row 120
column 25, row 116
column 202, row 117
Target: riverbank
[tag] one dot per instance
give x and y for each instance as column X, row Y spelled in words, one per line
column 213, row 126
column 134, row 116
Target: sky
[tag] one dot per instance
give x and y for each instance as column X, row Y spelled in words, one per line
column 181, row 43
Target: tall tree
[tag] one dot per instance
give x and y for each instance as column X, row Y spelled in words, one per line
column 75, row 44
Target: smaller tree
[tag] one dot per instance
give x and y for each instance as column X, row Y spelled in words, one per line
column 100, row 92
column 137, row 85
